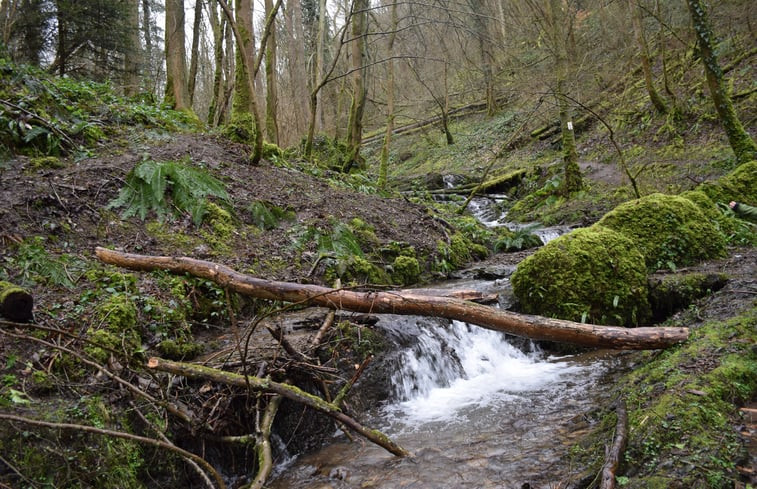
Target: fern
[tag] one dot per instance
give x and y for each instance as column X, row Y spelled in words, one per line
column 166, row 188
column 36, row 264
column 522, row 239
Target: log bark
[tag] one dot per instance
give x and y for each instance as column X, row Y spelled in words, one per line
column 534, row 327
column 194, row 371
column 15, row 303
column 612, row 461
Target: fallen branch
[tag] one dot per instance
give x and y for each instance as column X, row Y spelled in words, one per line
column 263, row 447
column 534, row 327
column 612, row 461
column 288, row 391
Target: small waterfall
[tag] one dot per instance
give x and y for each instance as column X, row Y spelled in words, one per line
column 454, row 370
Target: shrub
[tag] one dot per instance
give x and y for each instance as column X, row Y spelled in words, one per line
column 592, row 274
column 670, row 231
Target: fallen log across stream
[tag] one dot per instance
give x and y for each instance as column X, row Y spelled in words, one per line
column 534, row 327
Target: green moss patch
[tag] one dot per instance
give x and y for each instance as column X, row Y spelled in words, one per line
column 116, row 331
column 670, row 231
column 683, row 409
column 592, row 274
column 739, row 185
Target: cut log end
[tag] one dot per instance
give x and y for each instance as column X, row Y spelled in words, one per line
column 16, row 303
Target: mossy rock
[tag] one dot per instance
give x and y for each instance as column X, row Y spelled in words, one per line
column 591, row 274
column 670, row 231
column 739, row 185
column 736, row 231
column 405, row 270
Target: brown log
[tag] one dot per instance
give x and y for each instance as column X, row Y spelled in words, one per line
column 15, row 303
column 612, row 460
column 195, row 371
column 534, row 327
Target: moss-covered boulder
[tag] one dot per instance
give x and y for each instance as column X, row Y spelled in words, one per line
column 591, row 274
column 670, row 231
column 739, row 185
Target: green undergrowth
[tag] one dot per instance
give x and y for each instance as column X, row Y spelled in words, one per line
column 683, row 410
column 43, row 115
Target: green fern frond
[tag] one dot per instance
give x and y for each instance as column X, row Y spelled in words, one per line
column 150, row 184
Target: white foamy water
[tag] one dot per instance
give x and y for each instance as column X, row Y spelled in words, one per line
column 464, row 368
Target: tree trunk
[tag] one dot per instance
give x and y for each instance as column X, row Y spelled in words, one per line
column 741, row 142
column 359, row 19
column 646, row 66
column 244, row 91
column 535, row 327
column 216, row 99
column 572, row 174
column 132, row 57
column 15, row 303
column 266, row 385
column 177, row 95
column 272, row 98
column 195, row 50
column 384, row 161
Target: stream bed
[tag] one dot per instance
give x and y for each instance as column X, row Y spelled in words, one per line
column 476, row 408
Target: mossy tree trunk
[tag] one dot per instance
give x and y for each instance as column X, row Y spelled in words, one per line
column 177, row 94
column 359, row 19
column 272, row 97
column 646, row 65
column 741, row 142
column 384, row 161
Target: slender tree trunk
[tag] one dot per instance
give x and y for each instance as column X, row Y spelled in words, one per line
column 195, row 50
column 445, row 108
column 177, row 95
column 62, row 40
column 320, row 53
column 229, row 70
column 741, row 142
column 272, row 98
column 297, row 73
column 132, row 58
column 218, row 52
column 572, row 174
column 384, row 162
column 355, row 126
column 646, row 65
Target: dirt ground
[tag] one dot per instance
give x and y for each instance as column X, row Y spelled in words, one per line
column 68, row 204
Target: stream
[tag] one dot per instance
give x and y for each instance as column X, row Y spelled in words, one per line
column 476, row 408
